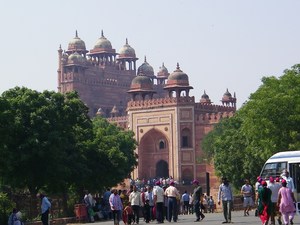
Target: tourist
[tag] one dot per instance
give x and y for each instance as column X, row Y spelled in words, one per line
column 197, row 195
column 225, row 194
column 247, row 193
column 90, row 203
column 158, row 197
column 185, row 198
column 45, row 208
column 264, row 203
column 274, row 187
column 136, row 202
column 172, row 193
column 128, row 216
column 211, row 204
column 149, row 197
column 12, row 217
column 286, row 204
column 116, row 206
column 289, row 180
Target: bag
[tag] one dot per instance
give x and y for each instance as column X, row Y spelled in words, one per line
column 256, row 212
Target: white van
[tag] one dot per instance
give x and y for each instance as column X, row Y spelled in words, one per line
column 289, row 160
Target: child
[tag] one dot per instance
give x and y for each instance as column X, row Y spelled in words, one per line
column 128, row 214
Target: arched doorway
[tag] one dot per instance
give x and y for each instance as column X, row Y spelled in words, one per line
column 162, row 169
column 153, row 154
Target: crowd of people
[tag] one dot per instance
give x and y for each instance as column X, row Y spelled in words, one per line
column 159, row 201
column 275, row 198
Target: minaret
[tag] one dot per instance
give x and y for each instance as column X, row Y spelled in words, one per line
column 59, row 70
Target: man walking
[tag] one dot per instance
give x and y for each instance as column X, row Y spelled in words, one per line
column 116, row 206
column 197, row 200
column 45, row 207
column 274, row 187
column 247, row 193
column 225, row 194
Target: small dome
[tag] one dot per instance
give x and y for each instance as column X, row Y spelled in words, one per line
column 141, row 83
column 100, row 112
column 163, row 72
column 114, row 110
column 76, row 58
column 141, row 79
column 205, row 99
column 103, row 43
column 178, row 77
column 227, row 95
column 146, row 69
column 76, row 45
column 127, row 51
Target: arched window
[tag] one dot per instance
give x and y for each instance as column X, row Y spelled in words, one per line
column 162, row 144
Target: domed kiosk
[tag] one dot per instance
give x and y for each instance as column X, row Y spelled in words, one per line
column 141, row 86
column 76, row 45
column 103, row 53
column 126, row 57
column 146, row 69
column 178, row 82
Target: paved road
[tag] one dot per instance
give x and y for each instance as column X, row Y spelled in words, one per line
column 210, row 219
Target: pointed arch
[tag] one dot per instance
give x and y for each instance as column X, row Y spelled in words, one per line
column 153, row 147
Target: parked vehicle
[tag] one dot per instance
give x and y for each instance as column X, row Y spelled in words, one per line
column 289, row 160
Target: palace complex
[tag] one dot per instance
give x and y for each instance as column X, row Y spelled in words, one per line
column 168, row 123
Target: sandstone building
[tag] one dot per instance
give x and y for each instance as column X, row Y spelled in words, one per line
column 168, row 123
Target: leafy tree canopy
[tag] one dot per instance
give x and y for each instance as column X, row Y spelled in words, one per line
column 266, row 124
column 111, row 154
column 42, row 138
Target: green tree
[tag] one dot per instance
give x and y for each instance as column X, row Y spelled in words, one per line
column 271, row 116
column 44, row 144
column 266, row 124
column 225, row 145
column 110, row 154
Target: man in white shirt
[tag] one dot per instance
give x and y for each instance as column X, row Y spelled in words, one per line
column 136, row 202
column 289, row 180
column 172, row 193
column 274, row 187
column 89, row 202
column 158, row 197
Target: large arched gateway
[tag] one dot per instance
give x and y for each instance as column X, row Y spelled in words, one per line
column 153, row 154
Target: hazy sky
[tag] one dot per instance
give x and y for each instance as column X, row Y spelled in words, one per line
column 219, row 43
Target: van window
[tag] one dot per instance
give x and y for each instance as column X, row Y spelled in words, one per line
column 273, row 169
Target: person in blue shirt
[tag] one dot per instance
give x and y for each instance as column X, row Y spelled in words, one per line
column 12, row 217
column 225, row 195
column 185, row 198
column 45, row 208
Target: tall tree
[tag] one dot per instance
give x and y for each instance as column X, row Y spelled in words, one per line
column 111, row 154
column 266, row 124
column 225, row 146
column 46, row 131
